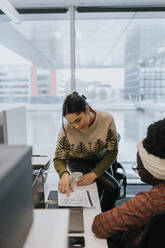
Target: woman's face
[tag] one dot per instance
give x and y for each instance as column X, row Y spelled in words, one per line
column 79, row 121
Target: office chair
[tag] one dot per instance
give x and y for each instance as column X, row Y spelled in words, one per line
column 119, row 173
column 154, row 235
column 122, row 180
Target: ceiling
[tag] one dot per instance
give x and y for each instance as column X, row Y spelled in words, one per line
column 102, row 40
column 66, row 3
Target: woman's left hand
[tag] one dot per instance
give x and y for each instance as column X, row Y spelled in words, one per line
column 87, row 179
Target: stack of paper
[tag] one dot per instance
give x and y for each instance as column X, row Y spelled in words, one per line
column 78, row 198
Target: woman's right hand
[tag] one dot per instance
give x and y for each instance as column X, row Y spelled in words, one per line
column 65, row 184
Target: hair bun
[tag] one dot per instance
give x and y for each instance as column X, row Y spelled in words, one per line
column 84, row 97
column 75, row 93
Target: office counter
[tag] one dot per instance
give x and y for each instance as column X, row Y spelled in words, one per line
column 89, row 213
column 50, row 226
column 49, row 229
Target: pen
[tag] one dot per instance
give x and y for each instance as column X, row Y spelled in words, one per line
column 89, row 198
column 39, row 156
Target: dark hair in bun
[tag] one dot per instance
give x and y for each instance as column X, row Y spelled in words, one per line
column 154, row 142
column 74, row 103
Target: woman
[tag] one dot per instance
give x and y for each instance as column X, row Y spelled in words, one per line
column 87, row 143
column 124, row 225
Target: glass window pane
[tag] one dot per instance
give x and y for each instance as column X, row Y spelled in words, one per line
column 35, row 72
column 119, row 64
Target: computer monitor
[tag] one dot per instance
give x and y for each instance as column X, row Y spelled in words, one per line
column 38, row 189
column 14, row 126
column 15, row 195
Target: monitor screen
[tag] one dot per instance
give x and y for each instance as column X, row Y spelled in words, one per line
column 14, row 123
column 15, row 195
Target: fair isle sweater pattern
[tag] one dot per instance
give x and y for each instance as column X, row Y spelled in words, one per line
column 82, row 150
column 98, row 142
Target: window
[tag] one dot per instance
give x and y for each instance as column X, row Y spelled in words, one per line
column 119, row 67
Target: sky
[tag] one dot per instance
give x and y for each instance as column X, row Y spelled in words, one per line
column 112, row 76
column 8, row 57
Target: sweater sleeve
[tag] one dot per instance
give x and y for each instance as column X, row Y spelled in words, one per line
column 61, row 154
column 111, row 152
column 60, row 166
column 134, row 212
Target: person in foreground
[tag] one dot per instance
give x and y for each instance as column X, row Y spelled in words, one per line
column 124, row 224
column 87, row 143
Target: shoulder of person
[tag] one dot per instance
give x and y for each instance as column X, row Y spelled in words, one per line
column 104, row 115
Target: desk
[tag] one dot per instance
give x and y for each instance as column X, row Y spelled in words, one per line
column 89, row 213
column 49, row 229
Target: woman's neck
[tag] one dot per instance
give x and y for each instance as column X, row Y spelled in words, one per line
column 92, row 116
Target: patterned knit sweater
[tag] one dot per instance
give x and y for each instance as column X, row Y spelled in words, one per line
column 131, row 216
column 98, row 142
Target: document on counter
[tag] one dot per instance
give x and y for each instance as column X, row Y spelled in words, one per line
column 78, row 198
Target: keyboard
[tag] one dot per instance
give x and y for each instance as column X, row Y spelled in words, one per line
column 53, row 196
column 52, row 205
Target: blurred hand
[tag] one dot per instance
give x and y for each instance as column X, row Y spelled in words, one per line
column 87, row 179
column 65, row 184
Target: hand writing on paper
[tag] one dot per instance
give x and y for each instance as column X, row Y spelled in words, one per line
column 65, row 184
column 87, row 179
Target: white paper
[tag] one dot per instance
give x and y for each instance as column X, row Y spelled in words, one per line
column 78, row 198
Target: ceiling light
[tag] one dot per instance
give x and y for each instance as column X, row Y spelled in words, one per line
column 10, row 11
